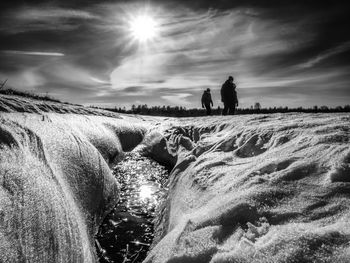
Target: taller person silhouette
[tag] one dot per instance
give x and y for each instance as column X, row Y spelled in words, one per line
column 229, row 96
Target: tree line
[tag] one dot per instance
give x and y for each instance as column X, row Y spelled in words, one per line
column 179, row 111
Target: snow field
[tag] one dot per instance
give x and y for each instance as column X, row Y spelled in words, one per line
column 258, row 188
column 253, row 188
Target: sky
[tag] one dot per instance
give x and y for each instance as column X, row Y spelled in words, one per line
column 281, row 53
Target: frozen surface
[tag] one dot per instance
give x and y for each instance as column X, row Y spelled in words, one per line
column 257, row 188
column 56, row 184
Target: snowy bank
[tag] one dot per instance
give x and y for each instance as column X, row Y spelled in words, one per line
column 13, row 103
column 56, row 185
column 257, row 188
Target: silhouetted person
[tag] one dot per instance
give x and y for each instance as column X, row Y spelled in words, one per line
column 229, row 96
column 207, row 101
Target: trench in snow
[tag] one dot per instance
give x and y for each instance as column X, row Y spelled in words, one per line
column 127, row 231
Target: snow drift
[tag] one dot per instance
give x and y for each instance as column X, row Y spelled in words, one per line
column 257, row 188
column 56, row 184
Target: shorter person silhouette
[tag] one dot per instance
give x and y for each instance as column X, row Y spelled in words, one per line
column 229, row 96
column 207, row 101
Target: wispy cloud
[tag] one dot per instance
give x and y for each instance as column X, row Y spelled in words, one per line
column 205, row 47
column 47, row 13
column 32, row 53
column 27, row 79
column 178, row 99
column 325, row 55
column 100, row 81
column 43, row 18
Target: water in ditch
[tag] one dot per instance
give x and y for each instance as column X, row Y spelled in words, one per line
column 127, row 232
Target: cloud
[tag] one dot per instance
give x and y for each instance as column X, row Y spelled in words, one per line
column 69, row 73
column 325, row 55
column 43, row 13
column 25, row 80
column 295, row 96
column 139, row 68
column 134, row 89
column 99, row 81
column 179, row 99
column 41, row 18
column 203, row 48
column 32, row 53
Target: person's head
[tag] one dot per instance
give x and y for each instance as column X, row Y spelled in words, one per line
column 230, row 78
column 208, row 90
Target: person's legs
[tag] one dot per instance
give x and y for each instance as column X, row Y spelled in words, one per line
column 224, row 111
column 208, row 109
column 232, row 109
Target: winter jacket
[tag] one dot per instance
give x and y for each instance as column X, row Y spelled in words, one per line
column 228, row 93
column 206, row 98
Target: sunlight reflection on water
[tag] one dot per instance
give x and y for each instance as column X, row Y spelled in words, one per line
column 146, row 192
column 127, row 232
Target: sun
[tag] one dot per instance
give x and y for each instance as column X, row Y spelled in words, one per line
column 143, row 28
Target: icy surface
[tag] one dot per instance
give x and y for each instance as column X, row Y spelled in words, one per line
column 258, row 188
column 56, row 184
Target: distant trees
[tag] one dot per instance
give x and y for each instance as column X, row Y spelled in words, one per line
column 257, row 106
column 178, row 111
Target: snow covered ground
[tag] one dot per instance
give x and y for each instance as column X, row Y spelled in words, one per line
column 253, row 188
column 258, row 188
column 56, row 184
column 13, row 103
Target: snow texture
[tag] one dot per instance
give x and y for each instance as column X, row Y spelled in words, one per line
column 12, row 103
column 252, row 188
column 257, row 188
column 56, row 184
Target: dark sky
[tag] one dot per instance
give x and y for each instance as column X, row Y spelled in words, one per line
column 281, row 53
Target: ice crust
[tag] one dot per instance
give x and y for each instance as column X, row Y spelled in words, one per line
column 257, row 188
column 56, row 184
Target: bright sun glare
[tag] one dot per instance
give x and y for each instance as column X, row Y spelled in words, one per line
column 143, row 28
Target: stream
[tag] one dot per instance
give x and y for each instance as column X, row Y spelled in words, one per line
column 127, row 232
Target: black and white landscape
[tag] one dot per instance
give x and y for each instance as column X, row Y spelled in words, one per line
column 106, row 154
